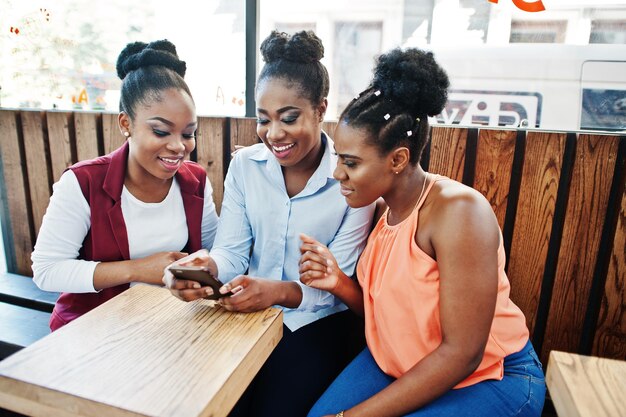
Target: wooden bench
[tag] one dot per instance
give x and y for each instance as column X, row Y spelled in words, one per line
column 558, row 196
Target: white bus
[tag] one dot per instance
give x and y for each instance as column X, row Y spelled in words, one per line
column 550, row 86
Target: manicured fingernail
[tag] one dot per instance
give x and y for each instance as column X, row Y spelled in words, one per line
column 224, row 289
column 209, row 291
column 196, row 285
column 236, row 289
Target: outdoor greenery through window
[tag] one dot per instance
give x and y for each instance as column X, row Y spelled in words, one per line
column 561, row 68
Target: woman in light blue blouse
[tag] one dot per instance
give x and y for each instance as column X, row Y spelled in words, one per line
column 274, row 191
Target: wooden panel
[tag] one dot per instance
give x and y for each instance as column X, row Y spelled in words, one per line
column 533, row 223
column 610, row 338
column 60, row 145
column 35, row 149
column 243, row 132
column 210, row 150
column 329, row 128
column 86, row 135
column 18, row 219
column 142, row 353
column 447, row 152
column 494, row 160
column 584, row 219
column 112, row 136
column 585, row 386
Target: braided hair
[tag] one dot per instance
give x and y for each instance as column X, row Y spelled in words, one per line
column 146, row 70
column 296, row 59
column 408, row 86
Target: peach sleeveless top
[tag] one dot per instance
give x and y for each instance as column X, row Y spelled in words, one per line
column 401, row 293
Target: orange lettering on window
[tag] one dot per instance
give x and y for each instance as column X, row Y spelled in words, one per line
column 535, row 6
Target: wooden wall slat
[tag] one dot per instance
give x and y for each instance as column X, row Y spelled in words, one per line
column 242, row 132
column 447, row 152
column 113, row 138
column 533, row 223
column 36, row 164
column 329, row 128
column 610, row 337
column 584, row 219
column 86, row 135
column 18, row 221
column 59, row 140
column 494, row 159
column 210, row 153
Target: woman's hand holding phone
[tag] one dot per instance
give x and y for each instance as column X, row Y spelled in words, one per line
column 190, row 289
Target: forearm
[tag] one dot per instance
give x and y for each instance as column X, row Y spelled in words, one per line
column 432, row 377
column 111, row 274
column 288, row 294
column 349, row 291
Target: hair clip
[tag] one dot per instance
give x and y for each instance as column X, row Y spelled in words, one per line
column 387, row 116
column 377, row 93
column 357, row 96
column 409, row 133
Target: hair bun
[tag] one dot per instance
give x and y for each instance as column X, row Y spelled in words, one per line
column 413, row 79
column 303, row 47
column 139, row 54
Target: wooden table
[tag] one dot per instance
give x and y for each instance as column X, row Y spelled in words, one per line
column 143, row 353
column 586, row 385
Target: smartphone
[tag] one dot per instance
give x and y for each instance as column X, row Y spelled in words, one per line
column 201, row 275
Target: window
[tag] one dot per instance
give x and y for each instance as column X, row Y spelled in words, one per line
column 356, row 43
column 608, row 31
column 538, row 32
column 61, row 54
column 55, row 54
column 294, row 27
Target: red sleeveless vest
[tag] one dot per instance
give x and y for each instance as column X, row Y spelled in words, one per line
column 101, row 181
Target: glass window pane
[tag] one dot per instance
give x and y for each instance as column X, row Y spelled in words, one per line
column 507, row 66
column 61, row 54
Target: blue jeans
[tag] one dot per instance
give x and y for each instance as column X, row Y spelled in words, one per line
column 521, row 392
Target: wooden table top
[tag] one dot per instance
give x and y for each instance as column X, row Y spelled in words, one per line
column 143, row 353
column 586, row 385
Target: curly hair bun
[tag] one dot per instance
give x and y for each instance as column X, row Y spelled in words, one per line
column 303, row 46
column 138, row 55
column 412, row 79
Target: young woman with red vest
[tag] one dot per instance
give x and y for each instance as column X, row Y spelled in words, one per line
column 123, row 217
column 443, row 336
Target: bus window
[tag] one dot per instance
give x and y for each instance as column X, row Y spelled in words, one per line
column 603, row 96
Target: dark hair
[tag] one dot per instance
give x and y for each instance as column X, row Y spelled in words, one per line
column 296, row 59
column 146, row 70
column 408, row 86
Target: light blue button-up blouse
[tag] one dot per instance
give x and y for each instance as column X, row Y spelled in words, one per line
column 259, row 226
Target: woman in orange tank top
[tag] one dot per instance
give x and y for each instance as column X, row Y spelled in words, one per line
column 443, row 337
